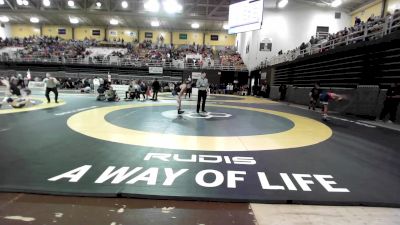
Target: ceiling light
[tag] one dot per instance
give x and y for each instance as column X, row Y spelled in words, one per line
column 46, row 3
column 172, row 6
column 282, row 3
column 336, row 3
column 4, row 19
column 34, row 20
column 73, row 20
column 19, row 2
column 71, row 3
column 124, row 4
column 25, row 2
column 1, row 2
column 155, row 23
column 152, row 6
column 195, row 25
column 226, row 26
column 114, row 22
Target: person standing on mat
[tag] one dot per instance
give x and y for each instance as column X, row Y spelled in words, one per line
column 202, row 85
column 96, row 84
column 189, row 88
column 314, row 96
column 156, row 88
column 180, row 90
column 282, row 90
column 391, row 103
column 51, row 86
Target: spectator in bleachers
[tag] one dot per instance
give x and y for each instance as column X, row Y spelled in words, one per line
column 357, row 21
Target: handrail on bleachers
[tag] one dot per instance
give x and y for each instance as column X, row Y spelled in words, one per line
column 126, row 62
column 369, row 30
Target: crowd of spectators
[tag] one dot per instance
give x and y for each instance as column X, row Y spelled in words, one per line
column 49, row 47
column 229, row 57
column 134, row 53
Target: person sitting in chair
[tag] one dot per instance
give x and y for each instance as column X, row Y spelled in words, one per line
column 130, row 94
column 111, row 95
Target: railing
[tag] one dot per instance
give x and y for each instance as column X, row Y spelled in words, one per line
column 367, row 31
column 126, row 62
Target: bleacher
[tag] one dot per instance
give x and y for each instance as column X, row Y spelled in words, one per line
column 364, row 63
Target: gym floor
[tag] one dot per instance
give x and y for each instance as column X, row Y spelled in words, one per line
column 243, row 150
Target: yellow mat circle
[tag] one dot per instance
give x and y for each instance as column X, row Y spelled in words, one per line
column 305, row 132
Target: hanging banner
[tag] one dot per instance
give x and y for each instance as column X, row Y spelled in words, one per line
column 155, row 70
column 196, row 75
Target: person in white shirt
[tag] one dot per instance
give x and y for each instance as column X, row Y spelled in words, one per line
column 202, row 85
column 51, row 86
column 96, row 84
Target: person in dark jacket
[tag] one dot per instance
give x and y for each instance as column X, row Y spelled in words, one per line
column 391, row 103
column 156, row 88
column 314, row 96
column 282, row 91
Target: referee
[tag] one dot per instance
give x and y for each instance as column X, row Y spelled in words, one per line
column 51, row 86
column 202, row 85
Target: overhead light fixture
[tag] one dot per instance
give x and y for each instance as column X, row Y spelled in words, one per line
column 71, row 3
column 4, row 19
column 226, row 27
column 336, row 3
column 124, row 4
column 73, row 20
column 98, row 4
column 172, row 6
column 19, row 2
column 34, row 20
column 152, row 5
column 282, row 3
column 25, row 2
column 114, row 22
column 1, row 2
column 155, row 23
column 195, row 25
column 46, row 3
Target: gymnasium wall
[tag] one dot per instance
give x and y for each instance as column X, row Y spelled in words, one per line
column 287, row 28
column 365, row 101
column 87, row 32
column 128, row 34
column 374, row 8
column 21, row 31
column 192, row 37
column 155, row 36
column 5, row 31
column 392, row 5
column 53, row 31
column 224, row 39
